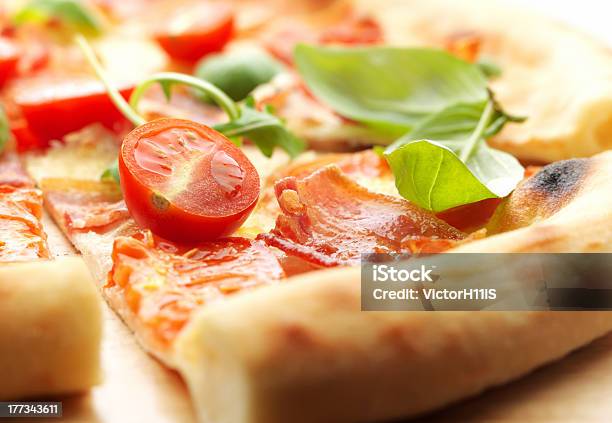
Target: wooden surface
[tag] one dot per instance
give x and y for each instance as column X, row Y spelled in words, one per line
column 139, row 389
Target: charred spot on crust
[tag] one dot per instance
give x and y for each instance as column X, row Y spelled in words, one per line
column 541, row 196
column 560, row 179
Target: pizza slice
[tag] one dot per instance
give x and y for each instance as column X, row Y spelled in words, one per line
column 218, row 259
column 285, row 350
column 50, row 312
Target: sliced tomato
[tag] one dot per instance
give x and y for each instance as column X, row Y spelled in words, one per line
column 186, row 182
column 56, row 106
column 9, row 58
column 194, row 32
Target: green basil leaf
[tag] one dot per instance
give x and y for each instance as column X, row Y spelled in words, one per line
column 71, row 12
column 432, row 175
column 391, row 88
column 454, row 124
column 238, row 73
column 262, row 128
column 111, row 173
column 5, row 130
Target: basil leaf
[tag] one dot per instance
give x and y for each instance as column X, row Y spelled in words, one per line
column 111, row 173
column 431, row 174
column 454, row 124
column 238, row 73
column 5, row 130
column 262, row 128
column 391, row 88
column 71, row 12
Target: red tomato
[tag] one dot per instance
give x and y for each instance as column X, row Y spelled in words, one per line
column 185, row 181
column 54, row 107
column 9, row 57
column 25, row 138
column 35, row 57
column 197, row 31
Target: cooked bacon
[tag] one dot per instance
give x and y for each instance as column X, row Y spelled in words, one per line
column 353, row 30
column 84, row 205
column 362, row 164
column 162, row 283
column 330, row 220
column 21, row 234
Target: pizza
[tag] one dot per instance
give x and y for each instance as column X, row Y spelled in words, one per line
column 221, row 168
column 51, row 314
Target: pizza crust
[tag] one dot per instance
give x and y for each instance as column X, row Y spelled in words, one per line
column 584, row 224
column 557, row 77
column 305, row 352
column 51, row 329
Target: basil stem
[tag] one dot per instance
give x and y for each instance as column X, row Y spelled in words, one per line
column 166, row 78
column 113, row 92
column 477, row 136
column 129, row 110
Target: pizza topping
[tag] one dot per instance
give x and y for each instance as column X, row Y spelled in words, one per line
column 9, row 58
column 330, row 220
column 21, row 234
column 164, row 283
column 354, row 30
column 54, row 106
column 465, row 45
column 84, row 205
column 443, row 130
column 72, row 14
column 238, row 73
column 259, row 126
column 185, row 181
column 11, row 171
column 194, row 32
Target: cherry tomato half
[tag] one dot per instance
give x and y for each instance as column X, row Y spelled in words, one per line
column 197, row 31
column 54, row 107
column 185, row 181
column 9, row 58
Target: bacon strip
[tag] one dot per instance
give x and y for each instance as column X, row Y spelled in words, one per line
column 330, row 220
column 162, row 284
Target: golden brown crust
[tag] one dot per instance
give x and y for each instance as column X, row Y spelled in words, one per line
column 305, row 352
column 51, row 329
column 534, row 219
